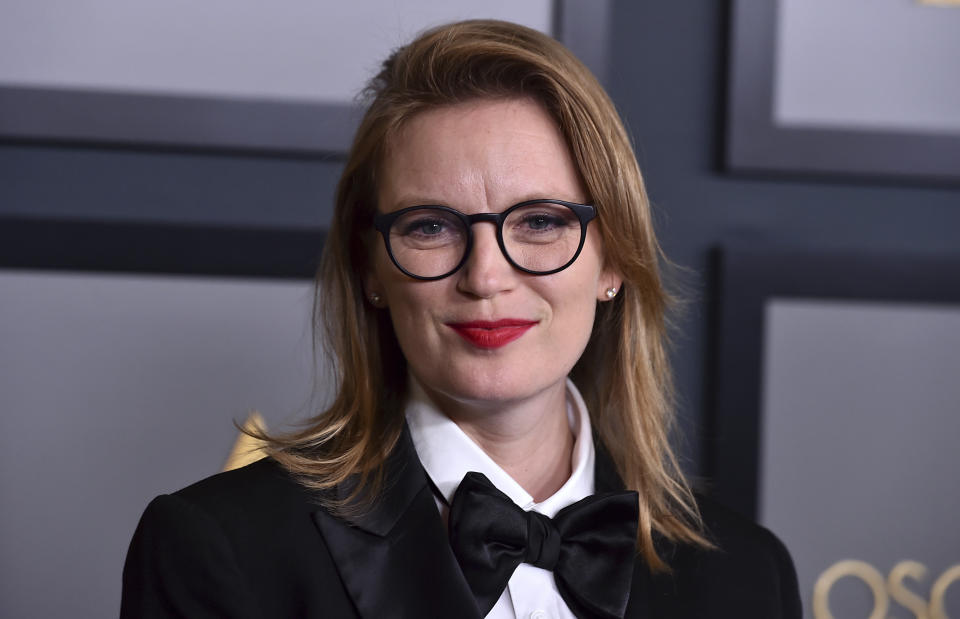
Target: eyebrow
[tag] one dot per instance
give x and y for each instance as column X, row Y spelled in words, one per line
column 408, row 201
column 413, row 200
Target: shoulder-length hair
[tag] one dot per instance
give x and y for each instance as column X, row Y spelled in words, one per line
column 623, row 374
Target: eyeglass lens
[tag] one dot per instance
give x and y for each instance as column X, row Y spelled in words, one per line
column 540, row 237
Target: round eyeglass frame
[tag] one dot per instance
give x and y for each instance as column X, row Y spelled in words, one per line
column 584, row 212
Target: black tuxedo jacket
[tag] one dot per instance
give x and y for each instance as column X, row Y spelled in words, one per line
column 254, row 543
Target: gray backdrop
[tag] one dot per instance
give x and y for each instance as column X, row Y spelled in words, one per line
column 116, row 388
column 836, row 62
column 299, row 49
column 859, row 458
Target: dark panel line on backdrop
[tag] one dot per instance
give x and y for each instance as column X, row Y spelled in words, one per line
column 159, row 248
column 747, row 278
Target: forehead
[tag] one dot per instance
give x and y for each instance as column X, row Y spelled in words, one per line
column 479, row 154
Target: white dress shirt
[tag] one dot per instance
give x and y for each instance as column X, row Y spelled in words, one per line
column 448, row 454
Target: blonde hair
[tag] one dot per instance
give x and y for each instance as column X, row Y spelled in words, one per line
column 624, row 373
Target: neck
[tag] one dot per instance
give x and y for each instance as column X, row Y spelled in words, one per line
column 530, row 440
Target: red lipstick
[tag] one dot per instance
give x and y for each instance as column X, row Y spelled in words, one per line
column 491, row 333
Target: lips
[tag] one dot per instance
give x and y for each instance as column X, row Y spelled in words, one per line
column 492, row 333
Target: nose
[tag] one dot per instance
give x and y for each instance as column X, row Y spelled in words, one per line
column 486, row 272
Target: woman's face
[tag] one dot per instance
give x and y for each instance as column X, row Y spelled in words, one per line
column 483, row 157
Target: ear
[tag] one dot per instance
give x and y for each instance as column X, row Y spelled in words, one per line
column 609, row 284
column 372, row 289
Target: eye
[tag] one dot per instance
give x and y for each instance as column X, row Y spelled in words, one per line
column 424, row 226
column 541, row 221
column 427, row 228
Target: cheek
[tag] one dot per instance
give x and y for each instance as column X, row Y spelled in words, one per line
column 579, row 323
column 575, row 305
column 411, row 306
column 404, row 308
column 574, row 308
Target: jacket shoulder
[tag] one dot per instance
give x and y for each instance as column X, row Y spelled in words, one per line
column 737, row 536
column 242, row 543
column 259, row 508
column 748, row 573
column 261, row 486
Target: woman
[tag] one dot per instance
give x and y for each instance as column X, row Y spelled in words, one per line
column 498, row 443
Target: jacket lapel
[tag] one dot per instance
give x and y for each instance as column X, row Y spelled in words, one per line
column 606, row 479
column 394, row 559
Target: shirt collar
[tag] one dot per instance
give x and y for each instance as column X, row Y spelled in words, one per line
column 447, row 453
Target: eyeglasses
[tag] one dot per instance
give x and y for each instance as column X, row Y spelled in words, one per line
column 537, row 236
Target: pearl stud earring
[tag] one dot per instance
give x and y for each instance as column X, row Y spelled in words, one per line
column 611, row 292
column 375, row 298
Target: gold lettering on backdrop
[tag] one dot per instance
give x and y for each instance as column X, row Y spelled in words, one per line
column 940, row 2
column 850, row 567
column 938, row 592
column 899, row 592
column 884, row 589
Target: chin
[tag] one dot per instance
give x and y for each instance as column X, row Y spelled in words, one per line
column 496, row 386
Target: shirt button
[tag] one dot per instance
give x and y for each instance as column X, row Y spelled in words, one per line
column 539, row 614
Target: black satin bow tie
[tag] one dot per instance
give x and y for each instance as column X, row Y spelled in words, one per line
column 589, row 546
